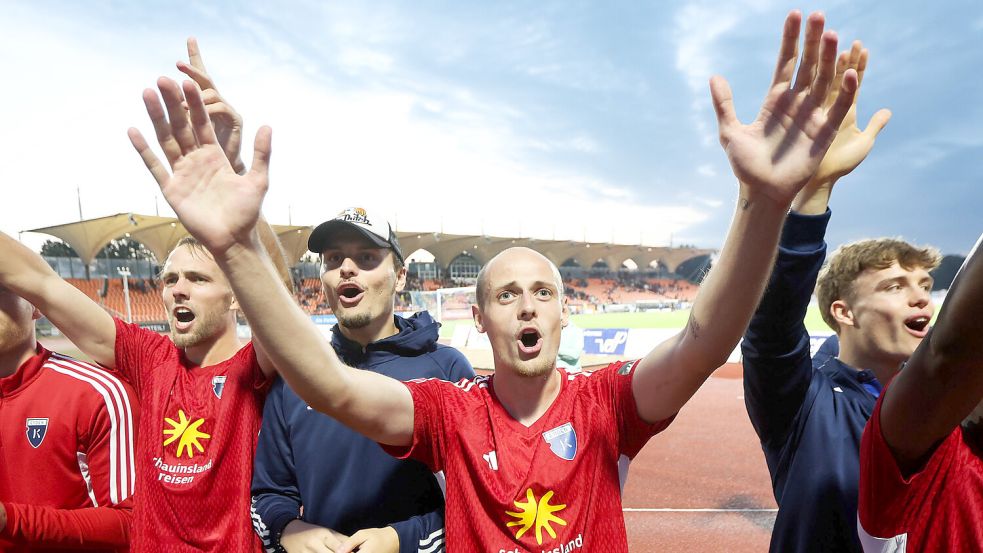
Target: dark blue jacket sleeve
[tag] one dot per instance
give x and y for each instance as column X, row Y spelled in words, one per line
column 423, row 533
column 777, row 366
column 459, row 367
column 275, row 498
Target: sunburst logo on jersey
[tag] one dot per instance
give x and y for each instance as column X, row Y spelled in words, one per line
column 187, row 433
column 536, row 514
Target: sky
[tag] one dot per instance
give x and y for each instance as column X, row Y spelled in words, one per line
column 566, row 120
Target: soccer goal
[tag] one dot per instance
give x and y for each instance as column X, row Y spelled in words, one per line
column 445, row 304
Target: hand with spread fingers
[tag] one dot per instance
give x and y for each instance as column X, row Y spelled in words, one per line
column 782, row 148
column 851, row 145
column 227, row 121
column 372, row 540
column 216, row 204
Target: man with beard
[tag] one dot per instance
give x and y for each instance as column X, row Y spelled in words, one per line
column 921, row 459
column 531, row 454
column 316, row 481
column 67, row 433
column 201, row 391
column 810, row 413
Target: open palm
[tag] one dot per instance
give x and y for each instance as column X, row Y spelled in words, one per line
column 216, row 205
column 782, row 148
column 851, row 145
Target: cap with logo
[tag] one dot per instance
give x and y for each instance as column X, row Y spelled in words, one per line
column 376, row 229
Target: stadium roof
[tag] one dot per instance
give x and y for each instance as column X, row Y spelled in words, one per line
column 161, row 234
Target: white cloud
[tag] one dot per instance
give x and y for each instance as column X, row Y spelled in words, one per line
column 430, row 153
column 706, row 170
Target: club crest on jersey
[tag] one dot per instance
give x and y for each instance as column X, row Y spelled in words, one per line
column 563, row 441
column 218, row 385
column 36, row 429
column 625, row 368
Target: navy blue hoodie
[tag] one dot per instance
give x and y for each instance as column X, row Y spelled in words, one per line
column 343, row 480
column 809, row 414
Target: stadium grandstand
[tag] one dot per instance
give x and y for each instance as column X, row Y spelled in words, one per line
column 597, row 276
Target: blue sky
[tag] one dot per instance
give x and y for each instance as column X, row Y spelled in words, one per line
column 571, row 120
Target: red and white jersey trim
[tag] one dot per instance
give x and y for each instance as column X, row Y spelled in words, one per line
column 872, row 544
column 119, row 411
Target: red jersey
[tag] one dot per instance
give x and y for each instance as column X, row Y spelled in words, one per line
column 195, row 444
column 66, row 456
column 939, row 508
column 552, row 487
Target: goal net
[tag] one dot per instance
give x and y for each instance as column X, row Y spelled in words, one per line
column 445, row 304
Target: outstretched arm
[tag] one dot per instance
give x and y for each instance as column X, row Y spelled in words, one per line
column 773, row 158
column 82, row 320
column 776, row 349
column 943, row 380
column 221, row 209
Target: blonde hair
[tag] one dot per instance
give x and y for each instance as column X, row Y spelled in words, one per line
column 849, row 261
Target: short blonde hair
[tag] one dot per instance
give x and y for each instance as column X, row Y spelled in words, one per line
column 849, row 261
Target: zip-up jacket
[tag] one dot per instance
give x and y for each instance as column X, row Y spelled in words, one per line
column 341, row 479
column 809, row 417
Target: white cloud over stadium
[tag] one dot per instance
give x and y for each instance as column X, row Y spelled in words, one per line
column 574, row 122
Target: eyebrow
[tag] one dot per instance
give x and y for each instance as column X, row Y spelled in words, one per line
column 537, row 284
column 164, row 276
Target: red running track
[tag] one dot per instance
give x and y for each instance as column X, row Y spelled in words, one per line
column 708, row 460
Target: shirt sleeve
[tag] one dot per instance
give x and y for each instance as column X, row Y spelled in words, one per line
column 428, row 423
column 421, row 533
column 776, row 346
column 138, row 351
column 633, row 431
column 275, row 497
column 460, row 368
column 41, row 526
column 107, row 459
column 887, row 497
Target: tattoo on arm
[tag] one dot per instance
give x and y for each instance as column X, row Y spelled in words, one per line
column 694, row 327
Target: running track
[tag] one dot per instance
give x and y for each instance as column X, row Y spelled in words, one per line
column 702, row 485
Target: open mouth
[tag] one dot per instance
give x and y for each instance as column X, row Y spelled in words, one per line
column 349, row 294
column 530, row 341
column 918, row 325
column 183, row 317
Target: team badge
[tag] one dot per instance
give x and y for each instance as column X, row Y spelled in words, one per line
column 625, row 368
column 563, row 441
column 36, row 429
column 218, row 385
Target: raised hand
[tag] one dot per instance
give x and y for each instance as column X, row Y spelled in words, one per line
column 216, row 205
column 781, row 149
column 851, row 144
column 226, row 120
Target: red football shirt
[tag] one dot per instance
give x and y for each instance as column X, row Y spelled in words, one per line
column 552, row 487
column 937, row 509
column 66, row 456
column 195, row 445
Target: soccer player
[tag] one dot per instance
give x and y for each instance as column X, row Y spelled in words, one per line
column 921, row 459
column 315, row 478
column 810, row 414
column 531, row 454
column 200, row 390
column 67, row 431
